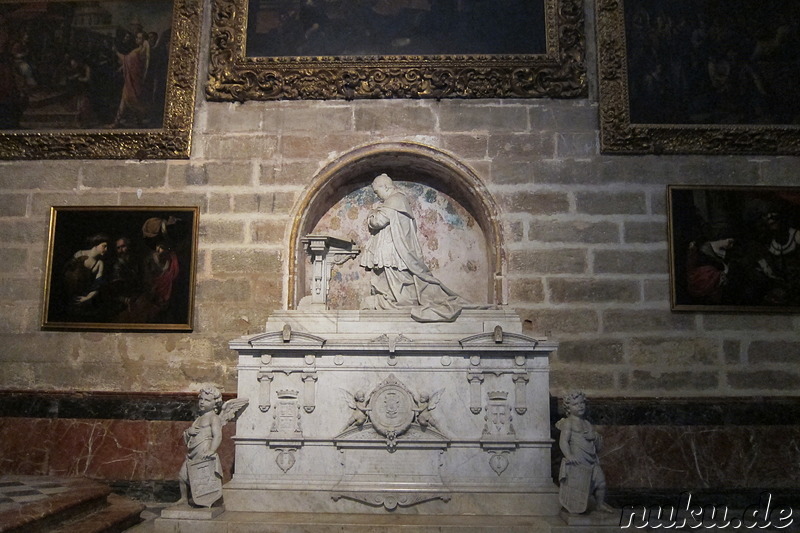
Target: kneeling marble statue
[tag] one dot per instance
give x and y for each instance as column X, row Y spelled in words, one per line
column 201, row 474
column 580, row 475
column 401, row 279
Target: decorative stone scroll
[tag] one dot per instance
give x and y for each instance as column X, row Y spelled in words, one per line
column 475, row 380
column 520, row 381
column 392, row 500
column 265, row 390
column 392, row 341
column 309, row 391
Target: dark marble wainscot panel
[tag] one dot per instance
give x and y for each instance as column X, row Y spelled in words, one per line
column 696, row 458
column 108, row 450
column 25, row 446
column 757, row 411
column 661, row 446
column 99, row 405
column 99, row 449
column 723, row 450
column 166, row 450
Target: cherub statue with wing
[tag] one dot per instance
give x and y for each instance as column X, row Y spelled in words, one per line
column 425, row 404
column 359, row 403
column 201, row 474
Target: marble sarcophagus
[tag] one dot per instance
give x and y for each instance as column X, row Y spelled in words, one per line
column 371, row 411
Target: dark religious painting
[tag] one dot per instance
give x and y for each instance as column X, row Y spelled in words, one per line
column 699, row 76
column 102, row 79
column 397, row 27
column 120, row 268
column 734, row 248
column 306, row 49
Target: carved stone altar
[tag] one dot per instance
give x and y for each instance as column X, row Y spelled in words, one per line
column 371, row 411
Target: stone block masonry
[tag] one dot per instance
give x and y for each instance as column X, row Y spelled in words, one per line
column 585, row 235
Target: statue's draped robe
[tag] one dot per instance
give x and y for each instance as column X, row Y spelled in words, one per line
column 401, row 279
column 583, row 444
column 198, row 438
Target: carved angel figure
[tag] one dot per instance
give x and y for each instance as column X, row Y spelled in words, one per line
column 201, row 473
column 580, row 474
column 359, row 403
column 425, row 404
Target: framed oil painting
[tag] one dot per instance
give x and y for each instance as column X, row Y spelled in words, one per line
column 120, row 269
column 345, row 49
column 699, row 76
column 734, row 248
column 110, row 79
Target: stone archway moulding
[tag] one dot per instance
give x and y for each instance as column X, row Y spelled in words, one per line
column 404, row 161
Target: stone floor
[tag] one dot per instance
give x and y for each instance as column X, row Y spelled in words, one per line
column 16, row 491
column 26, row 498
column 149, row 515
column 61, row 504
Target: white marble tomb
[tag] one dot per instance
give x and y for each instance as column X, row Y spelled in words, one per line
column 370, row 411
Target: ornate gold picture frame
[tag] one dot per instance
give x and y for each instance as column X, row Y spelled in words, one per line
column 121, row 269
column 699, row 76
column 113, row 79
column 346, row 49
column 734, row 248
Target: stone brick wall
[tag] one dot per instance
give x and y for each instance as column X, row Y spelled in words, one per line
column 586, row 238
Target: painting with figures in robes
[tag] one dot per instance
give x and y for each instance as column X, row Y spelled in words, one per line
column 735, row 248
column 121, row 268
column 85, row 65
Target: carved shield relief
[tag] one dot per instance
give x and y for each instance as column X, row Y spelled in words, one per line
column 286, row 417
column 205, row 483
column 392, row 407
column 575, row 488
column 498, row 415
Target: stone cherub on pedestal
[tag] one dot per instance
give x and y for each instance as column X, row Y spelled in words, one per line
column 580, row 475
column 201, row 474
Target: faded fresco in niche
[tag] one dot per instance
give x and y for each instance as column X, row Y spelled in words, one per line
column 451, row 240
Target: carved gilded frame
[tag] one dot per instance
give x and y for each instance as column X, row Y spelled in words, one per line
column 172, row 140
column 559, row 73
column 620, row 134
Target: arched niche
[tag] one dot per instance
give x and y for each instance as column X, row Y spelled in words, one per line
column 407, row 163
